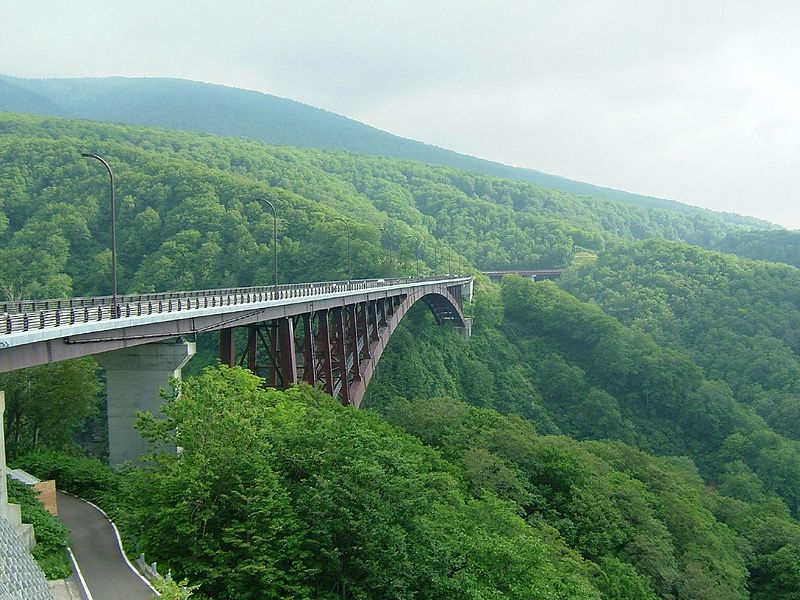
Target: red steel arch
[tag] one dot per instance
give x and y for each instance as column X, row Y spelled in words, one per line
column 337, row 348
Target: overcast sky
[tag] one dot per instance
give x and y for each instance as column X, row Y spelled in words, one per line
column 696, row 101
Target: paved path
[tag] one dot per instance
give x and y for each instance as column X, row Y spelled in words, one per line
column 64, row 589
column 94, row 544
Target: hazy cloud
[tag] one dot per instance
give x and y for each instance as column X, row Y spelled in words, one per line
column 694, row 101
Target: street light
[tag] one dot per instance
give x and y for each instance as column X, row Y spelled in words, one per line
column 114, row 309
column 385, row 230
column 349, row 259
column 274, row 237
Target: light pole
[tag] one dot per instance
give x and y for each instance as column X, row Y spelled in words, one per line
column 349, row 259
column 114, row 309
column 391, row 240
column 274, row 237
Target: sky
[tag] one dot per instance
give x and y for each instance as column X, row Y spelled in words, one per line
column 696, row 101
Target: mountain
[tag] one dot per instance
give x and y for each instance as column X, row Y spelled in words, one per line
column 221, row 110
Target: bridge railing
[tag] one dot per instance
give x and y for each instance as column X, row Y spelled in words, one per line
column 27, row 315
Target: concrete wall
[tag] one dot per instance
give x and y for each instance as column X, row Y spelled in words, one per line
column 134, row 379
column 3, row 482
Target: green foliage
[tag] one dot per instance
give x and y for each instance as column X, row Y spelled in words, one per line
column 174, row 590
column 636, row 516
column 738, row 319
column 47, row 405
column 87, row 478
column 279, row 494
column 51, row 536
column 188, row 217
column 596, row 379
column 773, row 245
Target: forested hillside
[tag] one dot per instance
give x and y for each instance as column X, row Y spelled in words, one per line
column 188, row 215
column 208, row 108
column 571, row 369
column 628, row 432
column 773, row 245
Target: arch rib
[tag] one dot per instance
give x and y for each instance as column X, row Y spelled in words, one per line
column 445, row 306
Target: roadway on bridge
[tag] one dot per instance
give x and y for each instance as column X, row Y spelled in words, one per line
column 94, row 544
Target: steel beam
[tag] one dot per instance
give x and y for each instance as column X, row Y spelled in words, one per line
column 227, row 346
column 341, row 354
column 373, row 315
column 324, row 351
column 252, row 348
column 286, row 352
column 352, row 313
column 365, row 328
column 309, row 354
column 382, row 303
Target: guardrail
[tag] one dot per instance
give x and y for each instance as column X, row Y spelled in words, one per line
column 27, row 315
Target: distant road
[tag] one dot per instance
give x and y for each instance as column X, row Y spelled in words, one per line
column 531, row 273
column 97, row 552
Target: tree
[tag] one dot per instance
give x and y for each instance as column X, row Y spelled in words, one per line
column 46, row 405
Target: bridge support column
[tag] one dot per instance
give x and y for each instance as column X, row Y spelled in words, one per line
column 340, row 344
column 288, row 361
column 324, row 351
column 466, row 330
column 365, row 330
column 353, row 320
column 373, row 316
column 309, row 353
column 134, row 379
column 227, row 346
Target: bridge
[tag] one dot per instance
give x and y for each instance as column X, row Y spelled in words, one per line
column 529, row 273
column 330, row 334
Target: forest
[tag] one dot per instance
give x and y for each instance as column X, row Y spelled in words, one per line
column 629, row 431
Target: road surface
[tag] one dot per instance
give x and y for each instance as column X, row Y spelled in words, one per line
column 97, row 552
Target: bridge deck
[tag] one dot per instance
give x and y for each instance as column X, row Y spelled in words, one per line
column 37, row 332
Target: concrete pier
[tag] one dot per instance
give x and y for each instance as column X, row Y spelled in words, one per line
column 134, row 379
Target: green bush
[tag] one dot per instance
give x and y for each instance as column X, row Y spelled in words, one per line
column 87, row 478
column 51, row 536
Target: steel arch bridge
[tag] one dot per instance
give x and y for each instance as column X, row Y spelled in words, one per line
column 330, row 333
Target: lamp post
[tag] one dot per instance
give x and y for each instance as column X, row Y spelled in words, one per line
column 349, row 259
column 114, row 309
column 390, row 239
column 274, row 237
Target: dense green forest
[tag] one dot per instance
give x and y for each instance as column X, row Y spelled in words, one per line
column 188, row 215
column 630, row 431
column 220, row 110
column 776, row 245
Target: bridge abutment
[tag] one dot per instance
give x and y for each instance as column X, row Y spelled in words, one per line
column 134, row 380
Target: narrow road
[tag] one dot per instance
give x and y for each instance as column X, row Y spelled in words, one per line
column 97, row 552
